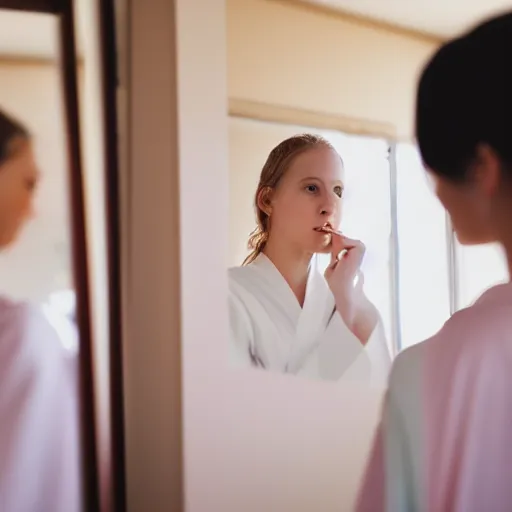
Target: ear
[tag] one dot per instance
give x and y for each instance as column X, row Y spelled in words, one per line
column 265, row 200
column 487, row 170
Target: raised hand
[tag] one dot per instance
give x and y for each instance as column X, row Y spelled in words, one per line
column 358, row 313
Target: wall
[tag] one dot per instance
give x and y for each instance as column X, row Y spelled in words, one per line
column 152, row 340
column 40, row 262
column 295, row 56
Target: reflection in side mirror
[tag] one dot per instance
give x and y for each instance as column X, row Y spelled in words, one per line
column 39, row 394
column 47, row 412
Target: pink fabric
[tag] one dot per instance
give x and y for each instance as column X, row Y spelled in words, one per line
column 445, row 439
column 39, row 427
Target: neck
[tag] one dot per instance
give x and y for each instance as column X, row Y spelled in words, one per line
column 292, row 264
column 504, row 235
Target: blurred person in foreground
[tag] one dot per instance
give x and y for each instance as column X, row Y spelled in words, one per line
column 39, row 421
column 445, row 439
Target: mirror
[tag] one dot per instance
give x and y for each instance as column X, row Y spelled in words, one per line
column 336, row 180
column 55, row 409
column 415, row 273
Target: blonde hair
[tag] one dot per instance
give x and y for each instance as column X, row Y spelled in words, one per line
column 278, row 162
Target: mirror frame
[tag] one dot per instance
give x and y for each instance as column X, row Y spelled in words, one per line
column 64, row 11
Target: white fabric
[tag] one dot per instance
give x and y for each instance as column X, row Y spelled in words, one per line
column 269, row 329
column 39, row 421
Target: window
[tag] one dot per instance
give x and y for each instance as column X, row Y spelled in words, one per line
column 367, row 213
column 423, row 252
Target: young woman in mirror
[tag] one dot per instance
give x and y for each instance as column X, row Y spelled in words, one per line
column 39, row 421
column 286, row 315
column 445, row 440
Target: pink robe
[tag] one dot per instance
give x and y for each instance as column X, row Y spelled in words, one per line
column 39, row 427
column 445, row 440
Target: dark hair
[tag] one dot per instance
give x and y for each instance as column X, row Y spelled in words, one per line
column 278, row 162
column 464, row 99
column 10, row 130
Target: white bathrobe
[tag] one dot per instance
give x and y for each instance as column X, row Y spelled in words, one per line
column 39, row 421
column 269, row 329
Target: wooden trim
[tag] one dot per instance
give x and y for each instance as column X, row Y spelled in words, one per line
column 28, row 60
column 302, row 117
column 22, row 60
column 362, row 20
column 109, row 74
column 90, row 486
column 152, row 308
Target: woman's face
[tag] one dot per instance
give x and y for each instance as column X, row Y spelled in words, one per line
column 18, row 179
column 308, row 197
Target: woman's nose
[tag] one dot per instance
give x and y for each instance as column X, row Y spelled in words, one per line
column 328, row 207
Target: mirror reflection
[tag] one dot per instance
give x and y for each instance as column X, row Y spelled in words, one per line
column 293, row 298
column 340, row 254
column 39, row 347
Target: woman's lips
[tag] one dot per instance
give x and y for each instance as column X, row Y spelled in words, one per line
column 326, row 228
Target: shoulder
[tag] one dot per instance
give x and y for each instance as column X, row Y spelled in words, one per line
column 239, row 285
column 473, row 338
column 239, row 275
column 406, row 365
column 242, row 281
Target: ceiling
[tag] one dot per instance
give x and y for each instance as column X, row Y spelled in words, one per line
column 440, row 18
column 35, row 35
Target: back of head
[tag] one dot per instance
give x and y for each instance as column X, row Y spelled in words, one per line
column 10, row 131
column 464, row 99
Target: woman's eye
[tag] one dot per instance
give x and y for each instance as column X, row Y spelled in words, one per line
column 312, row 188
column 338, row 191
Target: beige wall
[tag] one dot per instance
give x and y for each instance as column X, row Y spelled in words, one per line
column 289, row 55
column 32, row 93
